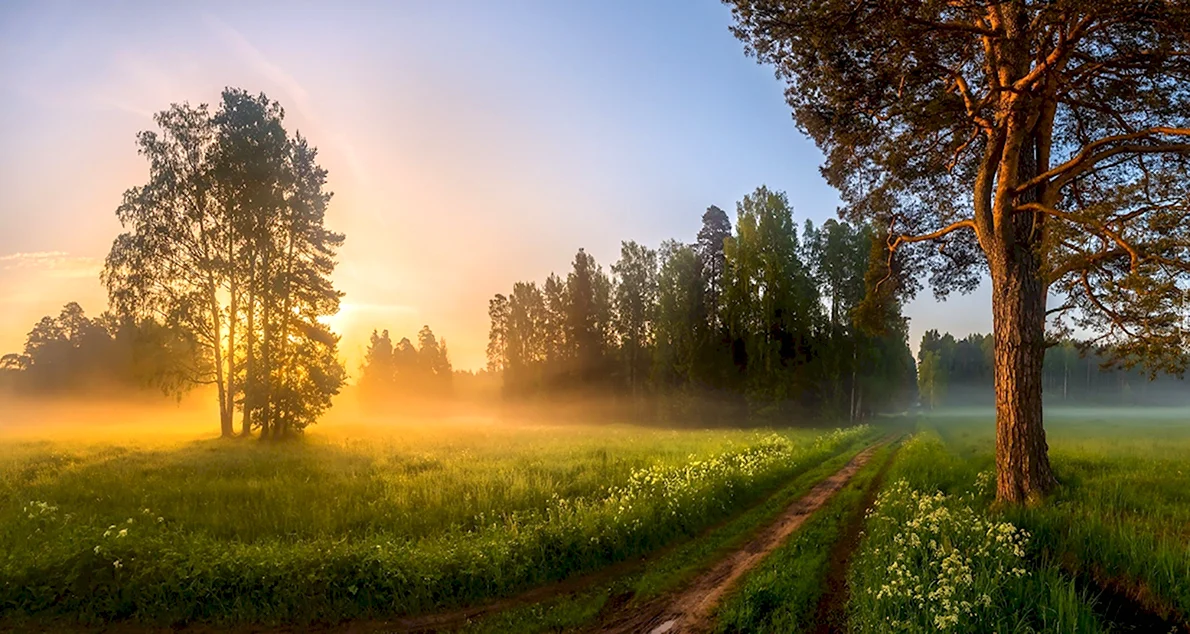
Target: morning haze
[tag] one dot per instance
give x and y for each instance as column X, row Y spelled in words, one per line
column 617, row 317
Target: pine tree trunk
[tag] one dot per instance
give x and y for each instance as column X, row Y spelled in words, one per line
column 1018, row 308
column 232, row 318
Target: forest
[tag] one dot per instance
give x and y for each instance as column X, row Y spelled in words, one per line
column 754, row 314
column 960, row 372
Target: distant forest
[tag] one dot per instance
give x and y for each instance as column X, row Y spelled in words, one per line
column 757, row 315
column 75, row 353
column 954, row 372
column 404, row 370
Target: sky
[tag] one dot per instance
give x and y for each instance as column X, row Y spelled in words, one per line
column 469, row 144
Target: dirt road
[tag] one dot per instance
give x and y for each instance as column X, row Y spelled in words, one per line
column 689, row 610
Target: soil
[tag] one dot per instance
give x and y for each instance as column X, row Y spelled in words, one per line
column 1128, row 607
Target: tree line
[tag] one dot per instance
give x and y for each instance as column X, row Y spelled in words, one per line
column 404, row 370
column 74, row 353
column 955, row 372
column 754, row 313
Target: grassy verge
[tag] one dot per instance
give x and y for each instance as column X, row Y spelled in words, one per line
column 935, row 559
column 1121, row 515
column 782, row 594
column 670, row 569
column 69, row 556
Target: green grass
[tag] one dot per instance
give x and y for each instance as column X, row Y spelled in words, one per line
column 782, row 593
column 1122, row 514
column 668, row 570
column 935, row 558
column 327, row 530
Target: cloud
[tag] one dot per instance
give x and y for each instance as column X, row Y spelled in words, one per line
column 295, row 93
column 58, row 264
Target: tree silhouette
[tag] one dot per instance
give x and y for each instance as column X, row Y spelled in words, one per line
column 402, row 371
column 226, row 241
column 72, row 352
column 1042, row 143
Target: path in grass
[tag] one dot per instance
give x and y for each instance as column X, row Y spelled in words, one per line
column 831, row 614
column 690, row 609
column 448, row 621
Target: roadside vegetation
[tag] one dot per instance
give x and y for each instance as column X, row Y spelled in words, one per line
column 783, row 593
column 1119, row 522
column 1108, row 552
column 326, row 530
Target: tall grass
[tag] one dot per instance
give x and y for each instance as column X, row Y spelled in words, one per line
column 1122, row 513
column 328, row 531
column 933, row 559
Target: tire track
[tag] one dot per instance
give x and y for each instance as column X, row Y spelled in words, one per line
column 690, row 609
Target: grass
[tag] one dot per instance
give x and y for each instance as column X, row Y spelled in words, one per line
column 783, row 592
column 1122, row 514
column 333, row 529
column 934, row 559
column 1119, row 519
column 668, row 570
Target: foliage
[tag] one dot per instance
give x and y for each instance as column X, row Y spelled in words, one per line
column 960, row 372
column 402, row 370
column 1121, row 518
column 72, row 352
column 736, row 317
column 933, row 560
column 226, row 243
column 1039, row 143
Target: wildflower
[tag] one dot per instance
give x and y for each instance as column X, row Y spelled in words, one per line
column 123, row 533
column 117, row 565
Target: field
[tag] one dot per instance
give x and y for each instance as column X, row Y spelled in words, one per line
column 337, row 527
column 1109, row 552
column 556, row 527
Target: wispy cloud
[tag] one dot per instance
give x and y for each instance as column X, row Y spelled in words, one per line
column 57, row 263
column 295, row 96
column 295, row 93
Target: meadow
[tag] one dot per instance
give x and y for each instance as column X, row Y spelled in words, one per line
column 361, row 524
column 374, row 523
column 1108, row 552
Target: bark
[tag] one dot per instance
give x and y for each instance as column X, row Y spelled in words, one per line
column 232, row 318
column 1023, row 472
column 267, row 297
column 226, row 429
column 1018, row 308
column 250, row 355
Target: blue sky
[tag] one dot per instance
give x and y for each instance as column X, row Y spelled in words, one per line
column 469, row 144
